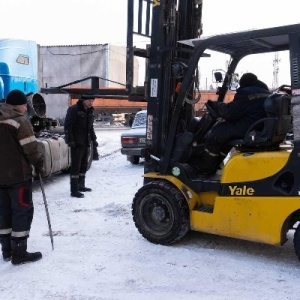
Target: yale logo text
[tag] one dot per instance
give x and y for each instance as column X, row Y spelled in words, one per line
column 241, row 191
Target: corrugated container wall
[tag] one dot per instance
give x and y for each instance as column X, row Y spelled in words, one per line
column 59, row 65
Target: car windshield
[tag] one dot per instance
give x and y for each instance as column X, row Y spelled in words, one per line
column 140, row 119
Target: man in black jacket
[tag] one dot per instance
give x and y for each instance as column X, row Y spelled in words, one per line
column 79, row 133
column 237, row 116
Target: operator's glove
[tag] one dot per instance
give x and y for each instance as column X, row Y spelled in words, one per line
column 71, row 144
column 212, row 104
column 40, row 171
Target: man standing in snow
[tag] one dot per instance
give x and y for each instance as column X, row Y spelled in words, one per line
column 18, row 153
column 79, row 133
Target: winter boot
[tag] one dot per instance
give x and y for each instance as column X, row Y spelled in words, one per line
column 6, row 247
column 81, row 184
column 223, row 154
column 220, row 163
column 20, row 254
column 75, row 189
column 207, row 163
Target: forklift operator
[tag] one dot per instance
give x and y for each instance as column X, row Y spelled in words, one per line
column 236, row 117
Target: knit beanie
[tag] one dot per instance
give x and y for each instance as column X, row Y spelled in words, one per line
column 248, row 79
column 16, row 97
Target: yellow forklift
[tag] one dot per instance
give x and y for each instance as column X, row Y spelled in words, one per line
column 255, row 196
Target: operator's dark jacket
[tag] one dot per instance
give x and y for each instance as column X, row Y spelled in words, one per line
column 18, row 147
column 246, row 108
column 78, row 126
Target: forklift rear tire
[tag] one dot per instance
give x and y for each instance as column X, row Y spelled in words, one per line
column 161, row 213
column 297, row 241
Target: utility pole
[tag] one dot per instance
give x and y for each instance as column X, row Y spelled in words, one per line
column 275, row 71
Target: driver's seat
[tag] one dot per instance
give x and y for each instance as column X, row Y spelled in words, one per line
column 268, row 133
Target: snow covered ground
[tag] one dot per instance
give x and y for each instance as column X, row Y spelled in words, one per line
column 99, row 253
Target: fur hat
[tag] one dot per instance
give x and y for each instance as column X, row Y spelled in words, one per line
column 248, row 79
column 16, row 97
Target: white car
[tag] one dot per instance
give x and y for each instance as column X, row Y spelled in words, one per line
column 134, row 140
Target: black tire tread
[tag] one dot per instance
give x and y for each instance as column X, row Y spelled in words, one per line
column 135, row 160
column 181, row 204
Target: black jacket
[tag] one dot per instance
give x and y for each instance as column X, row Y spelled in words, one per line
column 79, row 128
column 246, row 108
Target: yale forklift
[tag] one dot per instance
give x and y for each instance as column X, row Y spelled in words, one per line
column 255, row 196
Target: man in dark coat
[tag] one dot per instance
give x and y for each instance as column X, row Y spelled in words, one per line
column 79, row 133
column 18, row 153
column 237, row 116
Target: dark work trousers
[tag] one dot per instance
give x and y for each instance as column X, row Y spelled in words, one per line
column 16, row 210
column 216, row 147
column 221, row 134
column 79, row 161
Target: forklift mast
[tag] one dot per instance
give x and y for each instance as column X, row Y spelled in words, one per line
column 164, row 22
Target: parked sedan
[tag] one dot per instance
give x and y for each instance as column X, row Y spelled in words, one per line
column 134, row 140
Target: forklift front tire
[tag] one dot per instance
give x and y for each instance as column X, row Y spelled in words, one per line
column 160, row 212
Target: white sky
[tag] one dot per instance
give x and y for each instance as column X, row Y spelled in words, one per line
column 100, row 255
column 65, row 22
column 58, row 22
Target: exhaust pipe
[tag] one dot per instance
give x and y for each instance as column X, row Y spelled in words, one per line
column 36, row 106
column 36, row 113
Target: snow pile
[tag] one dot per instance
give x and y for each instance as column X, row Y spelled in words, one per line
column 99, row 254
